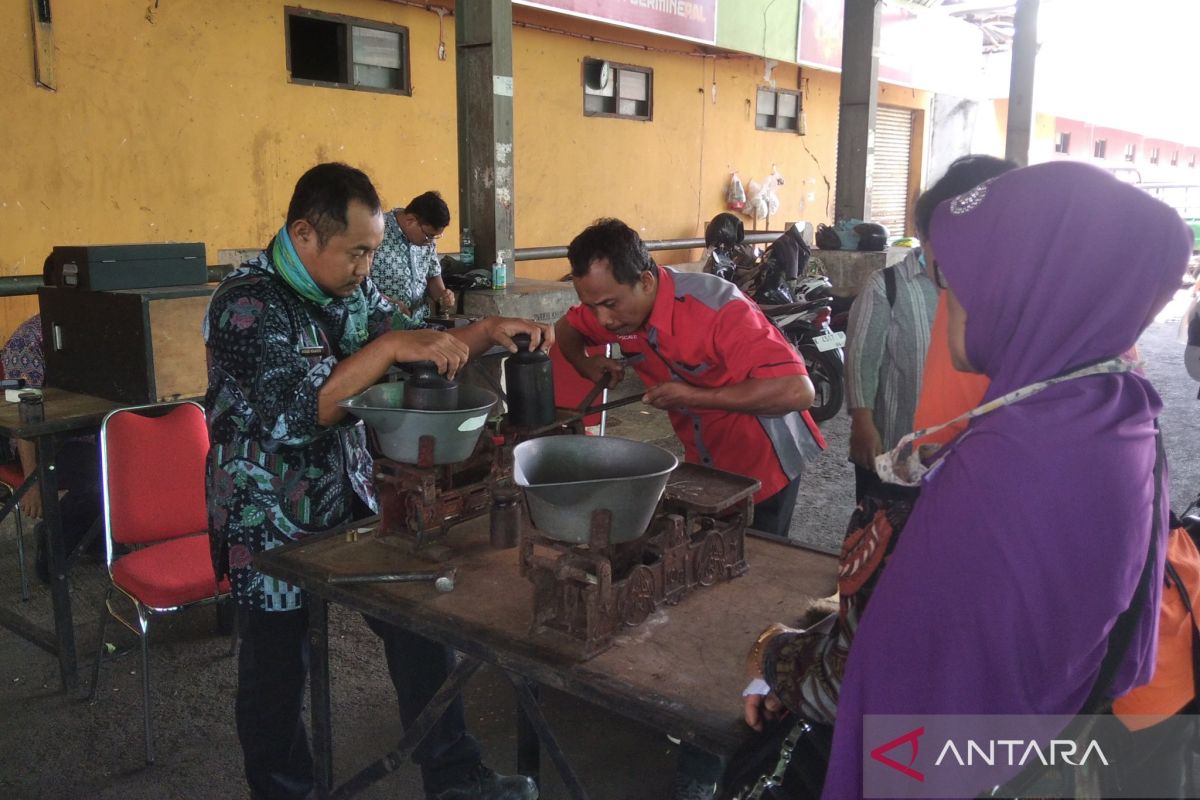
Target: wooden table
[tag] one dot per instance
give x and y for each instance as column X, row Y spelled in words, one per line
column 681, row 671
column 66, row 414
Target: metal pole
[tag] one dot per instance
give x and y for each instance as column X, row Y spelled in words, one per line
column 1020, row 85
column 857, row 109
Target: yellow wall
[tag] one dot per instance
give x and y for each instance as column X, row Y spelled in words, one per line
column 183, row 127
column 186, row 128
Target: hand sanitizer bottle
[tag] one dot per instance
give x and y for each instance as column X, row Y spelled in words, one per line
column 466, row 248
column 499, row 273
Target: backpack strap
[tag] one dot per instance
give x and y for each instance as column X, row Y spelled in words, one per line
column 1121, row 635
column 889, row 285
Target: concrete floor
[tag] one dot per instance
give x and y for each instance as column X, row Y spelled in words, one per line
column 53, row 746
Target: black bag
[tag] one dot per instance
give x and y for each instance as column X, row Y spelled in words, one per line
column 786, row 761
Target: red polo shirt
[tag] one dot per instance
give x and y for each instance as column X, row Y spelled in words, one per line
column 712, row 335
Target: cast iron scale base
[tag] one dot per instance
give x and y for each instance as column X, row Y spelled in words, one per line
column 584, row 594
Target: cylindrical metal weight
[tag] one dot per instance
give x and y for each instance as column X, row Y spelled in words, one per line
column 529, row 379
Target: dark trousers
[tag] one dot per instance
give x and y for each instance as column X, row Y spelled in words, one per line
column 272, row 669
column 774, row 515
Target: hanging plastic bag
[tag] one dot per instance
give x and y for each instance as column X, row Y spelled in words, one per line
column 763, row 201
column 735, row 198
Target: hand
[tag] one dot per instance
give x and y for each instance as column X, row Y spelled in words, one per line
column 762, row 708
column 447, row 352
column 865, row 442
column 445, row 298
column 670, row 394
column 597, row 367
column 31, row 503
column 502, row 329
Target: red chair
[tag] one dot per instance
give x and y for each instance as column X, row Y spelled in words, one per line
column 152, row 471
column 13, row 487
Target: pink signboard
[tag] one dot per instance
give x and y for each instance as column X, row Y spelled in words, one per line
column 921, row 50
column 686, row 19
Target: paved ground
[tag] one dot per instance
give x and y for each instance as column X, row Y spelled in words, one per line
column 52, row 746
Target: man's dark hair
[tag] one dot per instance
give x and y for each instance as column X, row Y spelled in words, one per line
column 961, row 176
column 323, row 194
column 430, row 208
column 614, row 240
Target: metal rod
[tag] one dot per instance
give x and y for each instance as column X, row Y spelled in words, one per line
column 20, row 285
column 533, row 714
column 443, row 580
column 451, row 689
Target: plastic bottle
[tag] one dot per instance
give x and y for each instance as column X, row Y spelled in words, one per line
column 466, row 248
column 499, row 273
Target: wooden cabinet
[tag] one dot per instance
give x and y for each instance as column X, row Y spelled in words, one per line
column 133, row 346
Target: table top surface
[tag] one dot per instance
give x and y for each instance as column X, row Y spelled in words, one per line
column 682, row 670
column 65, row 412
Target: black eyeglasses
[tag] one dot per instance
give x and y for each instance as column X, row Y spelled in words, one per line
column 430, row 237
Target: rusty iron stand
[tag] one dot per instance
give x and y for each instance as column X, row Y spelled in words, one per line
column 584, row 594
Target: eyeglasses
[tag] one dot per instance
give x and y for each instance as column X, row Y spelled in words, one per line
column 430, row 237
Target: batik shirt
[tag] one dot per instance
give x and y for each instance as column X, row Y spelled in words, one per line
column 275, row 474
column 402, row 269
column 23, row 353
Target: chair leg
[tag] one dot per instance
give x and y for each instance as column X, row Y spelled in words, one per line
column 145, row 637
column 100, row 649
column 21, row 555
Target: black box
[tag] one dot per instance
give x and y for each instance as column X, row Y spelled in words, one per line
column 106, row 267
column 132, row 346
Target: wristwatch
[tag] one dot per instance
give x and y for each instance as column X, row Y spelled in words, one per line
column 754, row 658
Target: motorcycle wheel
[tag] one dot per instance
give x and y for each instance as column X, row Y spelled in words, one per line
column 825, row 371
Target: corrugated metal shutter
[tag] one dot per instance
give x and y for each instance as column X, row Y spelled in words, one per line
column 889, row 179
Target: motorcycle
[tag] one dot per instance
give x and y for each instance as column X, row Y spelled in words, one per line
column 806, row 327
column 801, row 308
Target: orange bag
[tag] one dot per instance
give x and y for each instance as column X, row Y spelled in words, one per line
column 1174, row 683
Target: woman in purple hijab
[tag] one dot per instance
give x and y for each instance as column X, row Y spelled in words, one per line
column 1032, row 530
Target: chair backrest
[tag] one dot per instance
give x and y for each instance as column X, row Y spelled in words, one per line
column 152, row 468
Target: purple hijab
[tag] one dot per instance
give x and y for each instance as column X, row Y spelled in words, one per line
column 1029, row 540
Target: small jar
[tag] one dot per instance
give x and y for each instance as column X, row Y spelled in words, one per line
column 30, row 408
column 505, row 519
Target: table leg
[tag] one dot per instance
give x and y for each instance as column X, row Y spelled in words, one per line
column 60, row 593
column 529, row 748
column 533, row 711
column 322, row 717
column 450, row 689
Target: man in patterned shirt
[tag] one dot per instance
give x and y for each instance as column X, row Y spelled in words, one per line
column 290, row 334
column 406, row 267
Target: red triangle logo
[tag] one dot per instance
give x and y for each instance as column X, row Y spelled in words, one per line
column 909, row 738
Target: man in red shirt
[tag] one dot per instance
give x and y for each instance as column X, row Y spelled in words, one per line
column 735, row 390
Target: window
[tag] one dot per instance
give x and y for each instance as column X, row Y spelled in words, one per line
column 777, row 110
column 1175, row 158
column 617, row 90
column 1130, row 152
column 332, row 50
column 1100, row 148
column 1153, row 155
column 1063, row 145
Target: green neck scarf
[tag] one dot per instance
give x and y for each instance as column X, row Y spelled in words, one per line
column 292, row 269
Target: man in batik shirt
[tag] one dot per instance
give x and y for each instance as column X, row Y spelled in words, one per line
column 290, row 334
